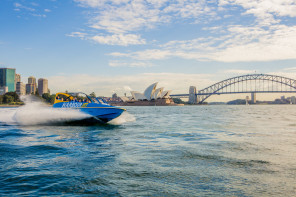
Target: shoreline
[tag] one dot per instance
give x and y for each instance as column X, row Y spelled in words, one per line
column 11, row 105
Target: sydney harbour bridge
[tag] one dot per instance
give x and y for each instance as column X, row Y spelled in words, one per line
column 252, row 83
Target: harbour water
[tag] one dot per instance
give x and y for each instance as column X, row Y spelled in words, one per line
column 151, row 151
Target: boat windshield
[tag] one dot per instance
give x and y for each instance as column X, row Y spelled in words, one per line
column 82, row 97
column 101, row 101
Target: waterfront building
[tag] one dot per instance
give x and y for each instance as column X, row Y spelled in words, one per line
column 3, row 90
column 247, row 100
column 42, row 86
column 114, row 96
column 30, row 88
column 293, row 100
column 20, row 88
column 192, row 95
column 7, row 79
column 283, row 98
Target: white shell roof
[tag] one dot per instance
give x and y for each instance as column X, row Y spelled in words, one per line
column 138, row 96
column 149, row 92
column 166, row 94
column 157, row 93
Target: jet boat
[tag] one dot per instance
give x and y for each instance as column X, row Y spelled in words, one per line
column 96, row 107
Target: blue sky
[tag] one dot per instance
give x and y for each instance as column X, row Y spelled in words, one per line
column 110, row 46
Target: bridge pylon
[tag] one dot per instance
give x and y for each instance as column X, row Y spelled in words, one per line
column 193, row 99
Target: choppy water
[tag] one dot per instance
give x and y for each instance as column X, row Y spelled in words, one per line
column 151, row 151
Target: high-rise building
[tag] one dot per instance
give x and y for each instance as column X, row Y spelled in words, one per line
column 17, row 78
column 20, row 88
column 7, row 78
column 30, row 88
column 192, row 95
column 32, row 80
column 42, row 86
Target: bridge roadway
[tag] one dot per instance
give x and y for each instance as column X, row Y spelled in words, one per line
column 243, row 92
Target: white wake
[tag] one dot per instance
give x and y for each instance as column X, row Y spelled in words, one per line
column 123, row 118
column 35, row 112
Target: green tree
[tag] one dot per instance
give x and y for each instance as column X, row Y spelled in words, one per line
column 52, row 98
column 48, row 98
column 1, row 99
column 237, row 102
column 14, row 95
column 8, row 99
column 92, row 94
column 179, row 101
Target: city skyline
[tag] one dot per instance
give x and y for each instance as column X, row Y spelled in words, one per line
column 118, row 46
column 10, row 81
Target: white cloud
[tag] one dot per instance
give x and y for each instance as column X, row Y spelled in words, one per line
column 240, row 44
column 39, row 15
column 117, row 18
column 238, row 72
column 121, row 16
column 26, row 8
column 265, row 38
column 277, row 44
column 154, row 54
column 293, row 69
column 77, row 34
column 116, row 63
column 119, row 39
column 19, row 6
column 265, row 10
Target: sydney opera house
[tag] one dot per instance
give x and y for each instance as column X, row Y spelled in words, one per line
column 151, row 96
column 151, row 93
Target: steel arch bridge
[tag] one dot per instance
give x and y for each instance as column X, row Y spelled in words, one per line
column 252, row 83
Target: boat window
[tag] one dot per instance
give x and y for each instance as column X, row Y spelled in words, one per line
column 62, row 97
column 101, row 101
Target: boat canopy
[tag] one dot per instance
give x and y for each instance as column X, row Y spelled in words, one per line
column 62, row 97
column 76, row 96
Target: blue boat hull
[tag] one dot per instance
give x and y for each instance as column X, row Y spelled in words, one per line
column 101, row 112
column 104, row 114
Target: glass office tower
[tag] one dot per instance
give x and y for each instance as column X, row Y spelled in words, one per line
column 7, row 78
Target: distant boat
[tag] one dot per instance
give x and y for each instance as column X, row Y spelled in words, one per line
column 96, row 107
